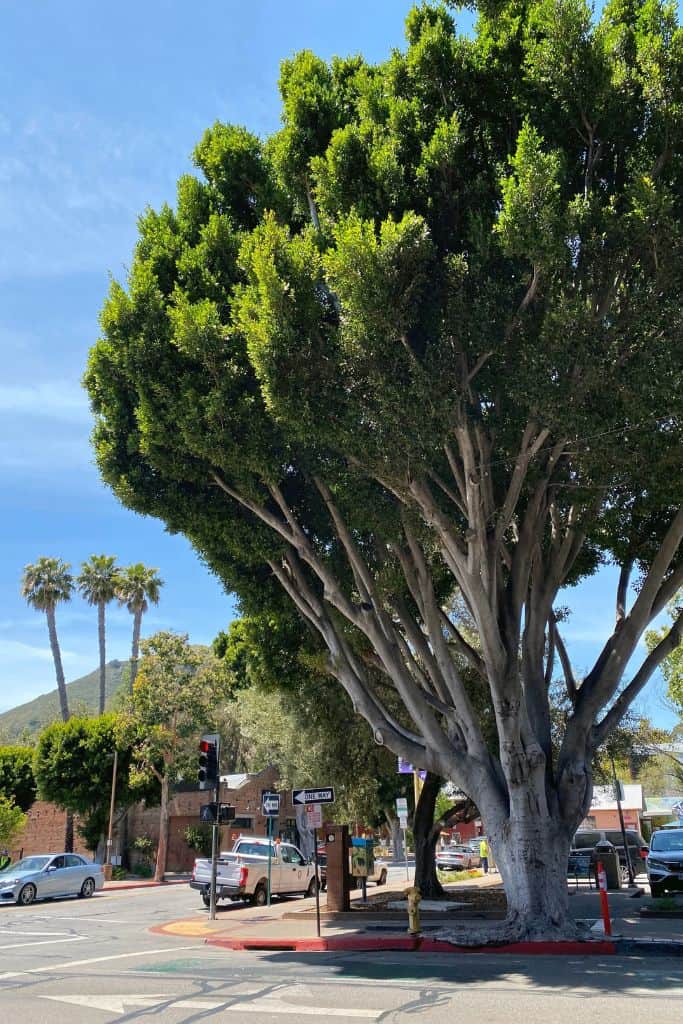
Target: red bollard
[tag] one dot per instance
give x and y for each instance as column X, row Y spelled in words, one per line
column 604, row 905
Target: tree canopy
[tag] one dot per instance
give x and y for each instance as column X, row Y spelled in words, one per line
column 422, row 342
column 16, row 775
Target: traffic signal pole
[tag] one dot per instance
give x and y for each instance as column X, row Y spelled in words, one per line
column 214, row 854
column 209, row 771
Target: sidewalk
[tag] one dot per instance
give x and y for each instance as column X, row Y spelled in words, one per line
column 291, row 925
column 176, row 878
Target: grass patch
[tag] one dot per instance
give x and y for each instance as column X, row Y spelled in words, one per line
column 459, row 876
column 666, row 903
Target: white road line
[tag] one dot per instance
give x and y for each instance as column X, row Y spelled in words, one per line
column 92, row 960
column 12, row 931
column 45, row 942
column 260, row 1004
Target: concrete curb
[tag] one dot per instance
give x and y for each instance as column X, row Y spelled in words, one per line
column 121, row 886
column 410, row 944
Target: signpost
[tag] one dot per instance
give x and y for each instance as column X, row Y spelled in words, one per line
column 402, row 812
column 270, row 808
column 312, row 798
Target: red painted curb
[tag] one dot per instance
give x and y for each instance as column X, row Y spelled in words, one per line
column 120, row 886
column 410, row 944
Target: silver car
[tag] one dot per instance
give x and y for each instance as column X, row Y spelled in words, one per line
column 46, row 875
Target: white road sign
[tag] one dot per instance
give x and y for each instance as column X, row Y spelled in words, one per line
column 314, row 815
column 313, row 796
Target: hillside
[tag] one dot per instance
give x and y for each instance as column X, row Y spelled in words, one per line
column 83, row 694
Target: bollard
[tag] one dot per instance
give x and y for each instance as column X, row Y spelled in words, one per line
column 604, row 905
column 413, row 895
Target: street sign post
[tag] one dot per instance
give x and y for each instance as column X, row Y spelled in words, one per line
column 313, row 796
column 270, row 804
column 402, row 812
column 314, row 815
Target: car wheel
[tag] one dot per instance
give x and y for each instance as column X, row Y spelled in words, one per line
column 623, row 874
column 88, row 888
column 206, row 899
column 312, row 887
column 656, row 890
column 382, row 880
column 260, row 896
column 27, row 895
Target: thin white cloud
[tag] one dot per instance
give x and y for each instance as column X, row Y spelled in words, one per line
column 57, row 400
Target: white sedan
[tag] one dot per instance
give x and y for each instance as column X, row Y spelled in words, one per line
column 455, row 858
column 44, row 876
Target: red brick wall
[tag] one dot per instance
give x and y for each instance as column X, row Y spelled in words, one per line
column 184, row 811
column 44, row 832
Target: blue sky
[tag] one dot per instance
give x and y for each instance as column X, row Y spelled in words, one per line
column 101, row 107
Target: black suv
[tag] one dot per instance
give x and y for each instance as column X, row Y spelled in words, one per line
column 665, row 861
column 586, row 839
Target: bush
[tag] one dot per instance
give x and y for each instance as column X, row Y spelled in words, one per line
column 199, row 838
column 143, row 868
column 119, row 874
column 144, row 846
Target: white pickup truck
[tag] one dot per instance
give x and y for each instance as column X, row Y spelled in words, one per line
column 243, row 873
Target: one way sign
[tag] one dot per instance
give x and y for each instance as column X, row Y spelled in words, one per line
column 270, row 804
column 313, row 796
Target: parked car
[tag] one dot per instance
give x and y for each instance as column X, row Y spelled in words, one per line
column 588, row 839
column 243, row 873
column 665, row 861
column 455, row 858
column 45, row 876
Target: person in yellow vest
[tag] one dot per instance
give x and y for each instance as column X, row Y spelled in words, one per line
column 484, row 854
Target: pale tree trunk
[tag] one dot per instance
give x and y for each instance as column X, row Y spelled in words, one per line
column 137, row 623
column 162, row 850
column 103, row 655
column 396, row 837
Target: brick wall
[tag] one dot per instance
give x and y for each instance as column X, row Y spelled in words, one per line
column 184, row 811
column 44, row 832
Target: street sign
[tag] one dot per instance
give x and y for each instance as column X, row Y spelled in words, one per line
column 401, row 805
column 313, row 796
column 403, row 821
column 207, row 813
column 270, row 804
column 314, row 815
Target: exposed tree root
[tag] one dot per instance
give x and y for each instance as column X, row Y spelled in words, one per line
column 512, row 929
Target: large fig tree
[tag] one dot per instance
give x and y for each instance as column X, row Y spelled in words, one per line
column 421, row 350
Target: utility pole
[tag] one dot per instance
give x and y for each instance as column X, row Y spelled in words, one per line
column 112, row 804
column 617, row 794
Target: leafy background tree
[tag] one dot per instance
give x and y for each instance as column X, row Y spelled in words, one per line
column 174, row 699
column 424, row 343
column 74, row 766
column 17, row 781
column 12, row 822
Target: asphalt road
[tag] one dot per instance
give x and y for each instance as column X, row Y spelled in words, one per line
column 85, row 962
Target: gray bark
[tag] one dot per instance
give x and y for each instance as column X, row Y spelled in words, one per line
column 135, row 649
column 103, row 654
column 57, row 658
column 162, row 849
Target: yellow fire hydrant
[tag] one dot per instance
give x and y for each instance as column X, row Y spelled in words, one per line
column 413, row 895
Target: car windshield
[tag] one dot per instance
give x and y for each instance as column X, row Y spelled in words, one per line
column 667, row 841
column 30, row 864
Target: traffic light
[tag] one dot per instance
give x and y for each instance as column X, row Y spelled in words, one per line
column 208, row 762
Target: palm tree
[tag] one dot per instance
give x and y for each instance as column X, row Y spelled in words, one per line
column 138, row 587
column 98, row 582
column 45, row 584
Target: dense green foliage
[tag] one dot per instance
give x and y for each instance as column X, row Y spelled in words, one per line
column 16, row 775
column 421, row 345
column 74, row 766
column 12, row 821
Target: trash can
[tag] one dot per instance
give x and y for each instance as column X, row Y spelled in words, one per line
column 606, row 853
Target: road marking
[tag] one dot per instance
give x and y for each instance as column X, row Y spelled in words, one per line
column 92, row 960
column 262, row 1004
column 45, row 942
column 12, row 931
